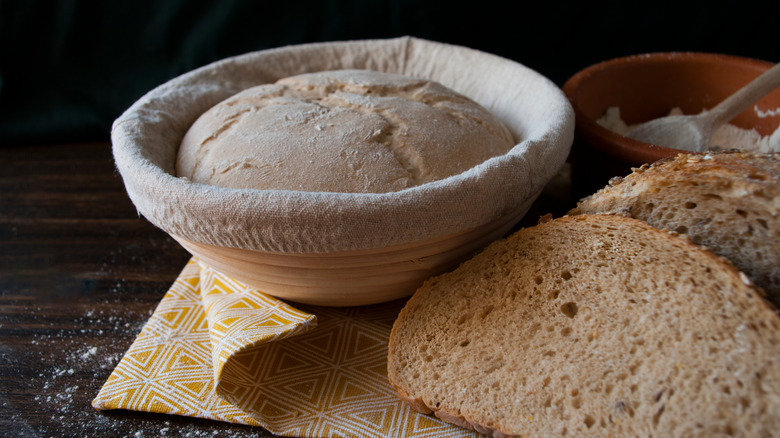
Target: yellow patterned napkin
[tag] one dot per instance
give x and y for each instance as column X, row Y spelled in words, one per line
column 217, row 349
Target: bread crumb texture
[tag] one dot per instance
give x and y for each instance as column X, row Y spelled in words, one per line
column 729, row 202
column 356, row 131
column 591, row 325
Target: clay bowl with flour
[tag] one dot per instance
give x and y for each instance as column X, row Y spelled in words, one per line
column 648, row 86
column 645, row 87
column 345, row 249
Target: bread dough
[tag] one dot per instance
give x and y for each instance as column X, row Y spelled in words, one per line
column 356, row 131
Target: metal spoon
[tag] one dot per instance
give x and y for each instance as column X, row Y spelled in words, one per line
column 693, row 132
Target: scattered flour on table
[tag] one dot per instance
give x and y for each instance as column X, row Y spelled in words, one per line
column 74, row 364
column 727, row 136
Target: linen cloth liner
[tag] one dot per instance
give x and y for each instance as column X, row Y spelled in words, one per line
column 146, row 139
column 208, row 351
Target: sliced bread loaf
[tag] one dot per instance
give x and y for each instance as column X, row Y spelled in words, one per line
column 591, row 325
column 729, row 202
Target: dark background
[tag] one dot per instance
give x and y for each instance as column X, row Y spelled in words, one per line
column 68, row 68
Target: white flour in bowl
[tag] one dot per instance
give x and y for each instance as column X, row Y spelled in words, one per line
column 727, row 136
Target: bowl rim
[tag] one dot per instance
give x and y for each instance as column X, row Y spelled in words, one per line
column 630, row 150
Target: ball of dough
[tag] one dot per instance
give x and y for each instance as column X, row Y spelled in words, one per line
column 350, row 131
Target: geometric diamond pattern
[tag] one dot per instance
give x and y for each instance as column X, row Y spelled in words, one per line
column 217, row 349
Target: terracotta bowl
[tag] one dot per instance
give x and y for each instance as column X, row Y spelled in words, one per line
column 345, row 249
column 648, row 86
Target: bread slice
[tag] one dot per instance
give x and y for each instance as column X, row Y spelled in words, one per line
column 729, row 202
column 591, row 325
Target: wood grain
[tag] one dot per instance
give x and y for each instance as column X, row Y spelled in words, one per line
column 80, row 273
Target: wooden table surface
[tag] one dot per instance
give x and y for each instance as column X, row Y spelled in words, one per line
column 80, row 274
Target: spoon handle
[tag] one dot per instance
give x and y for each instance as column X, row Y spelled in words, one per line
column 746, row 96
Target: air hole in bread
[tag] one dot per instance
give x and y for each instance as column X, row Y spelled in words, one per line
column 657, row 415
column 690, row 205
column 762, row 194
column 554, row 294
column 486, row 311
column 741, row 212
column 539, row 279
column 566, row 275
column 589, row 421
column 576, row 403
column 465, row 343
column 712, row 196
column 566, row 331
column 569, row 309
column 682, row 229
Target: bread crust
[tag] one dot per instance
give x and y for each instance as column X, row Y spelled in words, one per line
column 729, row 202
column 419, row 405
